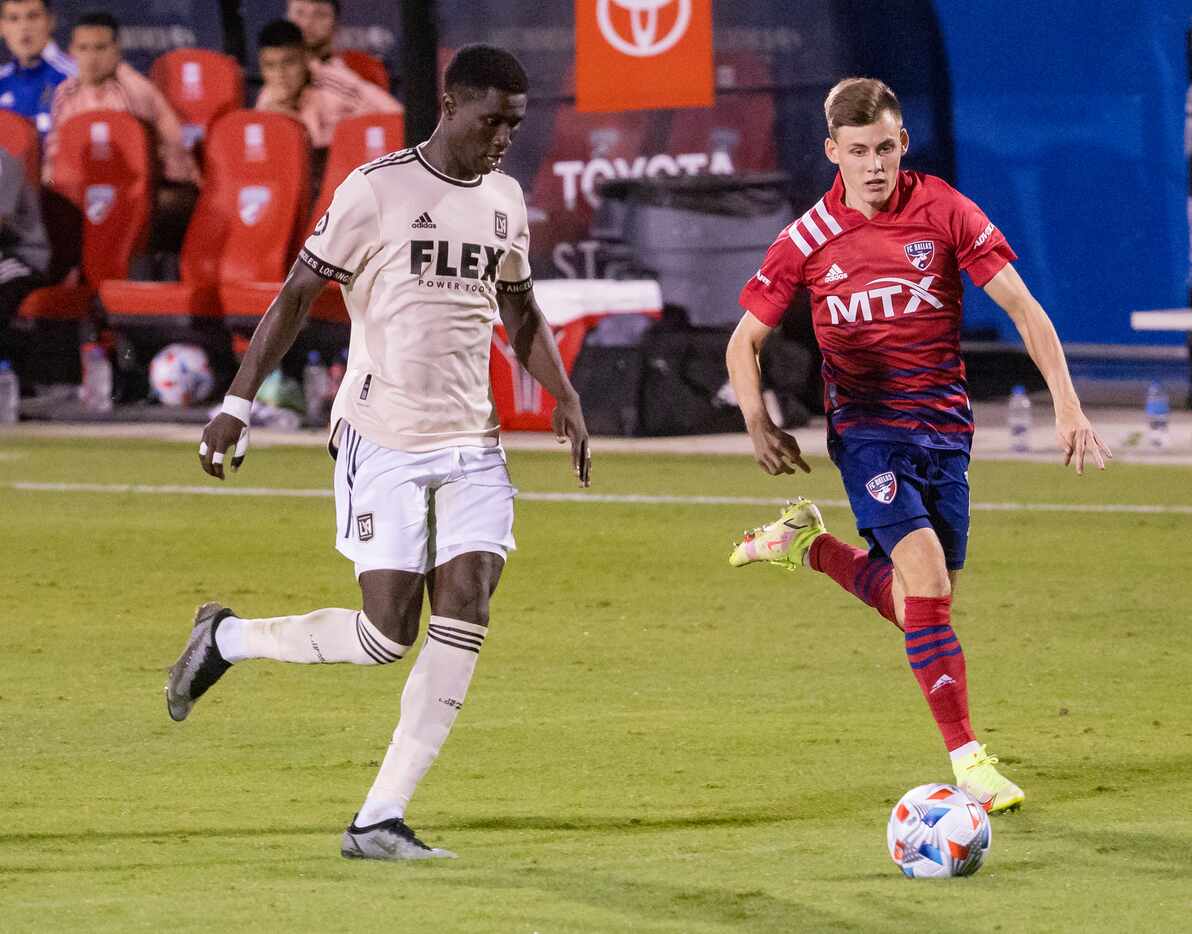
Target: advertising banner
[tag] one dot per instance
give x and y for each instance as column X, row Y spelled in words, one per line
column 643, row 54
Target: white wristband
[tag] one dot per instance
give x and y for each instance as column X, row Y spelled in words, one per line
column 238, row 408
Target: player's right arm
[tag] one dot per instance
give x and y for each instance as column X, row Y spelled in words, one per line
column 775, row 451
column 342, row 243
column 273, row 337
column 765, row 299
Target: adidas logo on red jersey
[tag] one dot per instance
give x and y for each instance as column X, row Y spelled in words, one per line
column 835, row 274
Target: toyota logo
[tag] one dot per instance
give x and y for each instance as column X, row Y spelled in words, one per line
column 644, row 40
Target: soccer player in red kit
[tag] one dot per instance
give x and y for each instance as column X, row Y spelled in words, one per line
column 881, row 254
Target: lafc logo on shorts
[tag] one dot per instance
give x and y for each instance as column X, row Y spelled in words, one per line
column 501, row 225
column 883, row 487
column 364, row 527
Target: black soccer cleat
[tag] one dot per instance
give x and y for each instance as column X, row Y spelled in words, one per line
column 387, row 839
column 200, row 665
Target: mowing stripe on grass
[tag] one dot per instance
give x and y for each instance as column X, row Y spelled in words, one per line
column 626, row 498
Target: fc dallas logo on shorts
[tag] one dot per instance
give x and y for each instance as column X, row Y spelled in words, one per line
column 883, row 487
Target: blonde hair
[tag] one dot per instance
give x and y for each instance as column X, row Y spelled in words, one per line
column 859, row 102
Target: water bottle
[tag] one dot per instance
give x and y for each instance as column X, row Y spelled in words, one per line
column 1018, row 420
column 335, row 373
column 1158, row 415
column 96, row 391
column 10, row 395
column 314, row 389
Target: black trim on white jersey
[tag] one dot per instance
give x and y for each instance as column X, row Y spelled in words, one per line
column 447, row 178
column 323, row 268
column 515, row 288
column 399, row 157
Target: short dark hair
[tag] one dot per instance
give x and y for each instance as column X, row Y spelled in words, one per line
column 334, row 4
column 480, row 67
column 859, row 102
column 99, row 18
column 280, row 34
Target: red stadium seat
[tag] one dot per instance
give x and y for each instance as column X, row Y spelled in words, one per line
column 246, row 225
column 246, row 302
column 357, row 140
column 104, row 167
column 368, row 67
column 19, row 137
column 201, row 86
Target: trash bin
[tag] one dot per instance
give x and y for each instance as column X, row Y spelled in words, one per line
column 701, row 236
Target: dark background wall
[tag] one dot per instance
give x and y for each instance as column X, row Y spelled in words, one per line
column 1063, row 119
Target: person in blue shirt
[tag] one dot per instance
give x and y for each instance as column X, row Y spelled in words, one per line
column 27, row 83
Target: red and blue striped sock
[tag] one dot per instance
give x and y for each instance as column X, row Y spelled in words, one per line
column 937, row 661
column 868, row 579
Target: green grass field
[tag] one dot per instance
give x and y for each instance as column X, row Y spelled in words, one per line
column 653, row 742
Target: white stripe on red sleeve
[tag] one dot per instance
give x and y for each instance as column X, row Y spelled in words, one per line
column 822, row 210
column 803, row 245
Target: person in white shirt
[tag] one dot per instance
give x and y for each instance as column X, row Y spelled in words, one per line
column 430, row 246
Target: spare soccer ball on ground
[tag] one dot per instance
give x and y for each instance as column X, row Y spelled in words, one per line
column 180, row 375
column 938, row 831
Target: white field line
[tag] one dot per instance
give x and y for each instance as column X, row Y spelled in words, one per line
column 626, row 498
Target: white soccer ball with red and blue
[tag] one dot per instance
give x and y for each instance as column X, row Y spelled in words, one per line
column 180, row 375
column 938, row 831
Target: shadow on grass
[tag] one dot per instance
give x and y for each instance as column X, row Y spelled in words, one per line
column 615, row 823
column 174, row 834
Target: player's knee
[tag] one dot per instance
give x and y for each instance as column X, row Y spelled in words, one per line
column 933, row 585
column 396, row 620
column 471, row 606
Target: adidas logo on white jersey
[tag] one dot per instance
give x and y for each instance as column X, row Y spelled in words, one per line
column 940, row 682
column 423, row 222
column 835, row 274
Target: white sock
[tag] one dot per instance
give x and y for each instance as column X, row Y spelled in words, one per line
column 966, row 750
column 432, row 698
column 322, row 636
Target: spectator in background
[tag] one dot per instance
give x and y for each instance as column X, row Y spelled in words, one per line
column 319, row 95
column 104, row 82
column 27, row 83
column 24, row 251
column 317, row 19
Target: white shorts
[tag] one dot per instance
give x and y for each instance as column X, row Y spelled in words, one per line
column 405, row 511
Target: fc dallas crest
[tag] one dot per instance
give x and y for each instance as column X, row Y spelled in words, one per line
column 920, row 253
column 883, row 487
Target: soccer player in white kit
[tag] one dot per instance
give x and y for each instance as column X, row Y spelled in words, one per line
column 429, row 244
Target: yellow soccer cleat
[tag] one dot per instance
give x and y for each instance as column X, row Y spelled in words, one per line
column 975, row 774
column 785, row 541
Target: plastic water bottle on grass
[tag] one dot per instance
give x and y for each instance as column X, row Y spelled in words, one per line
column 96, row 391
column 10, row 395
column 314, row 389
column 1018, row 420
column 1158, row 416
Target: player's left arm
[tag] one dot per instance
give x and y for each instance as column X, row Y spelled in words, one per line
column 534, row 344
column 1073, row 431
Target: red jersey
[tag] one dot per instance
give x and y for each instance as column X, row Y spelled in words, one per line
column 886, row 306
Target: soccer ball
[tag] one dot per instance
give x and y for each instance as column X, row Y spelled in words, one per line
column 937, row 831
column 180, row 375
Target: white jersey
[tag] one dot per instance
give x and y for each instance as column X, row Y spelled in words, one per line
column 420, row 257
